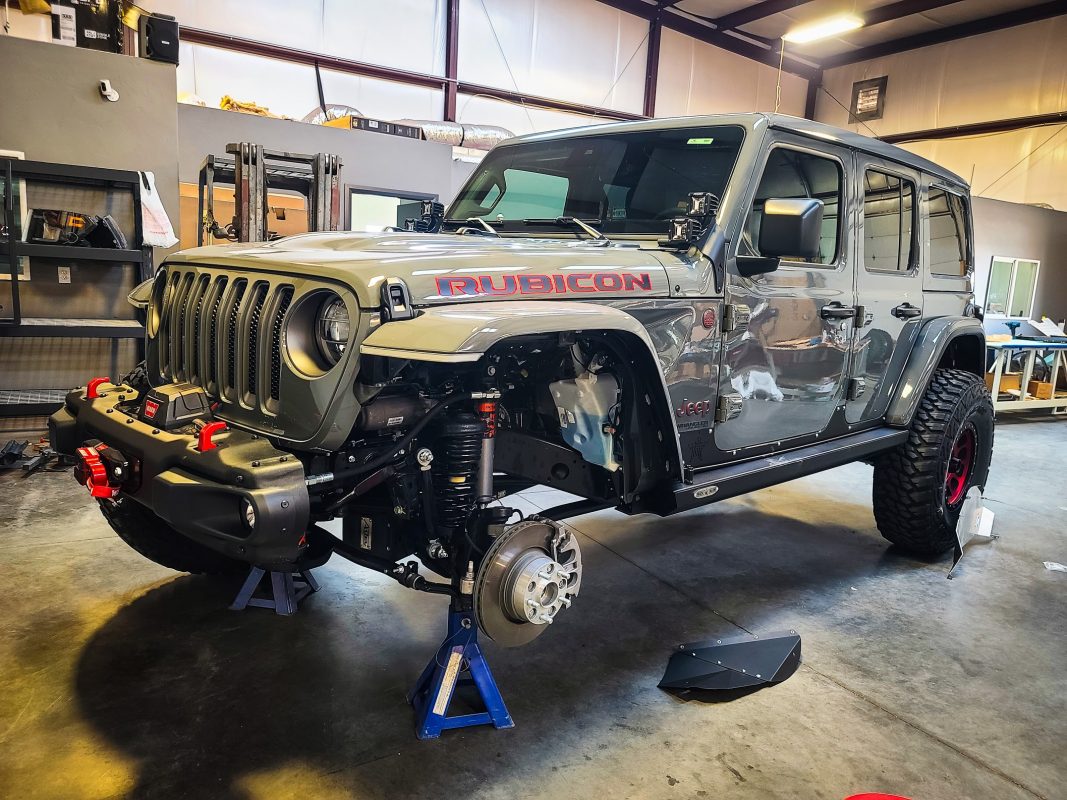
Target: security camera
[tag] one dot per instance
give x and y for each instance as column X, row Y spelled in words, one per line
column 107, row 91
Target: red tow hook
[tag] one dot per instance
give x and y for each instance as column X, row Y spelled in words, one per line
column 204, row 442
column 93, row 474
column 92, row 389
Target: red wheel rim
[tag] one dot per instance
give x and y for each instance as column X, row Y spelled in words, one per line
column 960, row 466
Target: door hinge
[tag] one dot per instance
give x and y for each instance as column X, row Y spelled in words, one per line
column 863, row 317
column 735, row 315
column 729, row 406
column 856, row 388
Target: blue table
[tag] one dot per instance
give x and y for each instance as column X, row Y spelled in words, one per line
column 1001, row 361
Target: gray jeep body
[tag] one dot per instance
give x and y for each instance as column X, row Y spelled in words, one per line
column 727, row 383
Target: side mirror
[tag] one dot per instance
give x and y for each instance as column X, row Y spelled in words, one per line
column 791, row 228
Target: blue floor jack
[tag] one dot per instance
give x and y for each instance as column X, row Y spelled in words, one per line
column 459, row 653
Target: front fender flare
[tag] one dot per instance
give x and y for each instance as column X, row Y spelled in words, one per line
column 458, row 334
column 930, row 346
column 464, row 333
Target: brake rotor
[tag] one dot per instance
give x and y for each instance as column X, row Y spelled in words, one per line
column 529, row 575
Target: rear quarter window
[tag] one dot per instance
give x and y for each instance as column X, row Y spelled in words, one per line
column 948, row 247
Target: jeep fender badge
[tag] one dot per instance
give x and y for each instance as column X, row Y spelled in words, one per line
column 705, row 491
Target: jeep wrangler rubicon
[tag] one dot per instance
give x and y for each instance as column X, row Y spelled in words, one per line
column 651, row 316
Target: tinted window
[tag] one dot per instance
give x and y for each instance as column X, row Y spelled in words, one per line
column 888, row 221
column 948, row 247
column 793, row 174
column 621, row 183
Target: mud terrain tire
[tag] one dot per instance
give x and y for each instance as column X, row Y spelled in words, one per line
column 919, row 487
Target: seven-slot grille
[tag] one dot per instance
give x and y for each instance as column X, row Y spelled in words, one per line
column 224, row 334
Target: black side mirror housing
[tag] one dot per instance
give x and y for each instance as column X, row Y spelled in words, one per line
column 791, row 227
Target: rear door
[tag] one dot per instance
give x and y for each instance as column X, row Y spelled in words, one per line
column 888, row 283
column 784, row 361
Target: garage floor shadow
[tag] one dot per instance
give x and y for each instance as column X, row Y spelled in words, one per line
column 121, row 679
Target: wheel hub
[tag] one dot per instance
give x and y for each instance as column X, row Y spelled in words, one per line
column 528, row 576
column 960, row 466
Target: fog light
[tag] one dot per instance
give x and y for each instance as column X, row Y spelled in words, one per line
column 248, row 512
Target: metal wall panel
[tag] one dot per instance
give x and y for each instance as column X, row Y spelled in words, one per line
column 698, row 78
column 517, row 118
column 1016, row 72
column 577, row 50
column 360, row 30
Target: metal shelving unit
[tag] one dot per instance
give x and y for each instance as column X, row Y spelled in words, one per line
column 43, row 401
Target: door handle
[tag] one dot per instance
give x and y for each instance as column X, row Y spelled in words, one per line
column 907, row 311
column 836, row 311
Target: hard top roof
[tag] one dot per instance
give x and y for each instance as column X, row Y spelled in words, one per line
column 797, row 125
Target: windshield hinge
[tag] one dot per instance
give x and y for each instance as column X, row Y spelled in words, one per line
column 734, row 316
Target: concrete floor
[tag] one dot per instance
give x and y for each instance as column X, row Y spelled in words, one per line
column 121, row 679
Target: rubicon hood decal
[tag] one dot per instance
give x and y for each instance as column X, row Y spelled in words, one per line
column 571, row 283
column 446, row 268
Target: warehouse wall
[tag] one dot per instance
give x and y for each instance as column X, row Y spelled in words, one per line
column 1017, row 231
column 697, row 78
column 581, row 51
column 53, row 111
column 370, row 159
column 1016, row 72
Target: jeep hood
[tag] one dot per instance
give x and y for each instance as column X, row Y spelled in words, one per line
column 446, row 268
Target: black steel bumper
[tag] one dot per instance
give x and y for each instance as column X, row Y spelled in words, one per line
column 200, row 494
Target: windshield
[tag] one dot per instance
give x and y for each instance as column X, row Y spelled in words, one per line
column 620, row 183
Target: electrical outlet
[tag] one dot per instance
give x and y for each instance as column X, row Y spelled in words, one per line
column 64, row 274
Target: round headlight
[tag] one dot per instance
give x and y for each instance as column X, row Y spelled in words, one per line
column 333, row 329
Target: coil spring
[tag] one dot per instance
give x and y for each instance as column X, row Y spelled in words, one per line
column 457, row 453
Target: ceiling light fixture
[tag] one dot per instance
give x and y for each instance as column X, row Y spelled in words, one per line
column 823, row 29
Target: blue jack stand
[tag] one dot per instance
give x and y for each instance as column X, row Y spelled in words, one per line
column 287, row 590
column 432, row 695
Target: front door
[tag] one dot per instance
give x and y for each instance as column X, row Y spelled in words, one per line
column 888, row 282
column 785, row 359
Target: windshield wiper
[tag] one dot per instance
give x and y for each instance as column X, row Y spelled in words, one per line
column 573, row 221
column 485, row 226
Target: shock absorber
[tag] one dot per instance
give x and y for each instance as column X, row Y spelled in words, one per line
column 457, row 452
column 487, row 412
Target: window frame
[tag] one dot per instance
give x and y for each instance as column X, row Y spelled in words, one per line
column 1011, row 287
column 402, row 194
column 914, row 254
column 841, row 256
column 965, row 200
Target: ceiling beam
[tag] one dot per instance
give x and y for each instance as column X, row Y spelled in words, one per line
column 762, row 10
column 978, row 128
column 734, row 43
column 950, row 33
column 451, row 58
column 655, row 31
column 902, row 8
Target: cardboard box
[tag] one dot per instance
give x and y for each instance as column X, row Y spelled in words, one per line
column 1040, row 389
column 1008, row 381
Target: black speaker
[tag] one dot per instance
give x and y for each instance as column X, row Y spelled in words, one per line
column 159, row 37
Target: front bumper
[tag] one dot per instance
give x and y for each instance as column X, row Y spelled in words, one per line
column 203, row 495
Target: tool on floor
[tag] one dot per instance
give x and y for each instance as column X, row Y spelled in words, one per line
column 287, row 590
column 459, row 653
column 11, row 454
column 975, row 522
column 733, row 662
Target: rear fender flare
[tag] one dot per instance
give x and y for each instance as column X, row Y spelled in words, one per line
column 460, row 334
column 930, row 347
